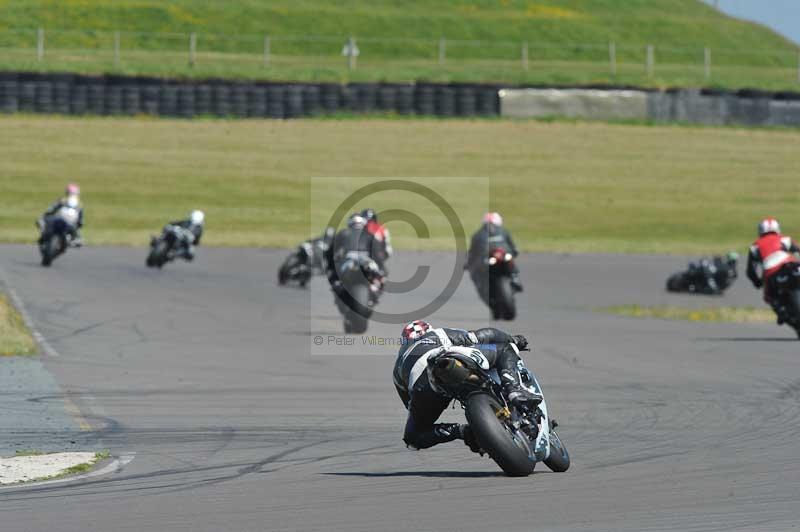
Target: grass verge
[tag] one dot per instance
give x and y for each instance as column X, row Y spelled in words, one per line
column 716, row 314
column 15, row 339
column 571, row 187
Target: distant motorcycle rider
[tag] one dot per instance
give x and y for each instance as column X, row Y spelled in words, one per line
column 192, row 232
column 421, row 343
column 357, row 238
column 490, row 236
column 71, row 201
column 379, row 232
column 768, row 255
column 718, row 273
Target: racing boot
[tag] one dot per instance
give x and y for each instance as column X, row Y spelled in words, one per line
column 516, row 284
column 188, row 253
column 469, row 439
column 75, row 240
column 781, row 313
column 516, row 394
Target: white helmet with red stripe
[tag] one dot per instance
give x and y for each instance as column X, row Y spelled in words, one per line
column 415, row 330
column 768, row 225
column 493, row 218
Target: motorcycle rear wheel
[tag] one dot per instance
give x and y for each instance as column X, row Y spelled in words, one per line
column 483, row 414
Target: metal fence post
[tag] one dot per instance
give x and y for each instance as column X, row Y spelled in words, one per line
column 266, row 50
column 650, row 60
column 442, row 50
column 525, row 56
column 612, row 57
column 116, row 48
column 192, row 48
column 40, row 44
column 707, row 62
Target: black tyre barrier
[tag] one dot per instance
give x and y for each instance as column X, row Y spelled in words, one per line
column 43, row 99
column 445, row 101
column 186, row 101
column 131, row 100
column 405, row 100
column 466, row 101
column 387, row 98
column 312, row 100
column 114, row 99
column 27, row 97
column 257, row 102
column 79, row 100
column 149, row 99
column 331, row 97
column 360, row 97
column 425, row 100
column 275, row 103
column 293, row 102
column 61, row 97
column 239, row 100
column 202, row 100
column 221, row 100
column 131, row 95
column 787, row 96
column 168, row 101
column 96, row 99
column 488, row 101
column 9, row 96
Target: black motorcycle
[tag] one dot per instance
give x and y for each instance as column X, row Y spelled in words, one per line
column 493, row 281
column 706, row 276
column 787, row 290
column 170, row 244
column 515, row 438
column 303, row 263
column 56, row 233
column 361, row 286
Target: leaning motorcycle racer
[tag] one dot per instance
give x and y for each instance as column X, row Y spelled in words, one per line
column 768, row 255
column 420, row 341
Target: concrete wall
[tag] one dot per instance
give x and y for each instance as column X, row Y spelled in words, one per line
column 688, row 106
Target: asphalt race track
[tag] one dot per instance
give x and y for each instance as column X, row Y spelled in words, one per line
column 207, row 374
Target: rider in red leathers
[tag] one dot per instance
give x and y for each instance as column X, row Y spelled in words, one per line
column 768, row 255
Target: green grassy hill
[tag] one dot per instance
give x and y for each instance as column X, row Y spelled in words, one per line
column 568, row 39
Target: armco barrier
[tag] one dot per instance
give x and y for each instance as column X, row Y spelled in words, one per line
column 121, row 95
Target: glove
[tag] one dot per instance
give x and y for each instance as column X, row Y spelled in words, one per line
column 758, row 284
column 521, row 341
column 459, row 337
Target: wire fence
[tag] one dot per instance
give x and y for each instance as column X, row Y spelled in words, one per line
column 315, row 57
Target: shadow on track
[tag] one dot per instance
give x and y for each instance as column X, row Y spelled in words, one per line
column 424, row 474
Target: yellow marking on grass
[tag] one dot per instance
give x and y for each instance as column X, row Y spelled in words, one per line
column 711, row 314
column 15, row 339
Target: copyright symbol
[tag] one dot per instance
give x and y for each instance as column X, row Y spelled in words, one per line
column 318, row 340
column 414, row 193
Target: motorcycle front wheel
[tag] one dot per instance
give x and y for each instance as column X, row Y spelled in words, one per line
column 356, row 322
column 558, row 461
column 507, row 448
